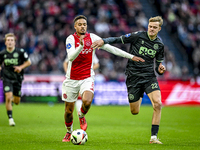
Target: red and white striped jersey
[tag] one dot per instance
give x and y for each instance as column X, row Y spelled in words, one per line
column 81, row 58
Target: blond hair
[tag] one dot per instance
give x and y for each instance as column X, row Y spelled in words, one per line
column 9, row 35
column 157, row 19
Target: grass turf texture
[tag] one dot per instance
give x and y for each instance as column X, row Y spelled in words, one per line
column 41, row 127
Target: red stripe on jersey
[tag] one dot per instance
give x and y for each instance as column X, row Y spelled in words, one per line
column 81, row 66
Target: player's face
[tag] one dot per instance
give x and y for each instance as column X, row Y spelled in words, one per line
column 153, row 29
column 10, row 43
column 81, row 26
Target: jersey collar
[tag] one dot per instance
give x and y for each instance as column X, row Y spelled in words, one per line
column 86, row 34
column 10, row 51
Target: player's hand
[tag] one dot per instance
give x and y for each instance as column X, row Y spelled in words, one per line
column 17, row 69
column 0, row 68
column 97, row 44
column 138, row 59
column 81, row 39
column 161, row 68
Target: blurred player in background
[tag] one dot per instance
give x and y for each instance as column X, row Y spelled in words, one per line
column 140, row 76
column 14, row 61
column 80, row 73
column 78, row 103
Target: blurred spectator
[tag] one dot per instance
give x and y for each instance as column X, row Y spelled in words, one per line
column 183, row 20
column 42, row 27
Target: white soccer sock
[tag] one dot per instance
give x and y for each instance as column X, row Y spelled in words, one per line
column 154, row 137
column 78, row 105
column 70, row 129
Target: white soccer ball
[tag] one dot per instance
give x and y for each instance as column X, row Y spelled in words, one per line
column 79, row 137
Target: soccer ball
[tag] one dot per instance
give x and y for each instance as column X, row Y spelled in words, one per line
column 79, row 137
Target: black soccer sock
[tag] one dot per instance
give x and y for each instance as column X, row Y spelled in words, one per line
column 9, row 113
column 154, row 130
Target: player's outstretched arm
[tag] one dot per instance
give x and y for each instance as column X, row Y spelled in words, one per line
column 116, row 51
column 138, row 59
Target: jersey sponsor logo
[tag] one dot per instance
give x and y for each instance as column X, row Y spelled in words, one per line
column 127, row 35
column 15, row 55
column 86, row 51
column 68, row 46
column 13, row 61
column 146, row 51
column 131, row 97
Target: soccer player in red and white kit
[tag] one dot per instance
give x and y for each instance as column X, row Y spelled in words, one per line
column 78, row 103
column 80, row 73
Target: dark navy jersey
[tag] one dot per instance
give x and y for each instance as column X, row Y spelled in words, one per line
column 141, row 46
column 9, row 59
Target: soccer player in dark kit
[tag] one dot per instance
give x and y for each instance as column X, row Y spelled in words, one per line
column 141, row 76
column 14, row 61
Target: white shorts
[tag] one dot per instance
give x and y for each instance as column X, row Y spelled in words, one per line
column 72, row 88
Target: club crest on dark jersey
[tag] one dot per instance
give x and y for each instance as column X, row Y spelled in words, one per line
column 15, row 55
column 155, row 46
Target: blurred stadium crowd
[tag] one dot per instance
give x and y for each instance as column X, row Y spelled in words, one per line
column 41, row 27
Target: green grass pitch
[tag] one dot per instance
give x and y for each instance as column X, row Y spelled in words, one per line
column 40, row 126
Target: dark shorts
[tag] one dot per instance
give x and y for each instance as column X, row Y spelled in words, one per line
column 136, row 86
column 12, row 86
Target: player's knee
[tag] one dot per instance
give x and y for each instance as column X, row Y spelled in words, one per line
column 157, row 106
column 16, row 101
column 9, row 99
column 87, row 103
column 134, row 112
column 68, row 111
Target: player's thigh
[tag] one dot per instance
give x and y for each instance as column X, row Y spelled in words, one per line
column 135, row 106
column 87, row 97
column 87, row 89
column 155, row 97
column 70, row 90
column 69, row 107
column 8, row 95
column 153, row 91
